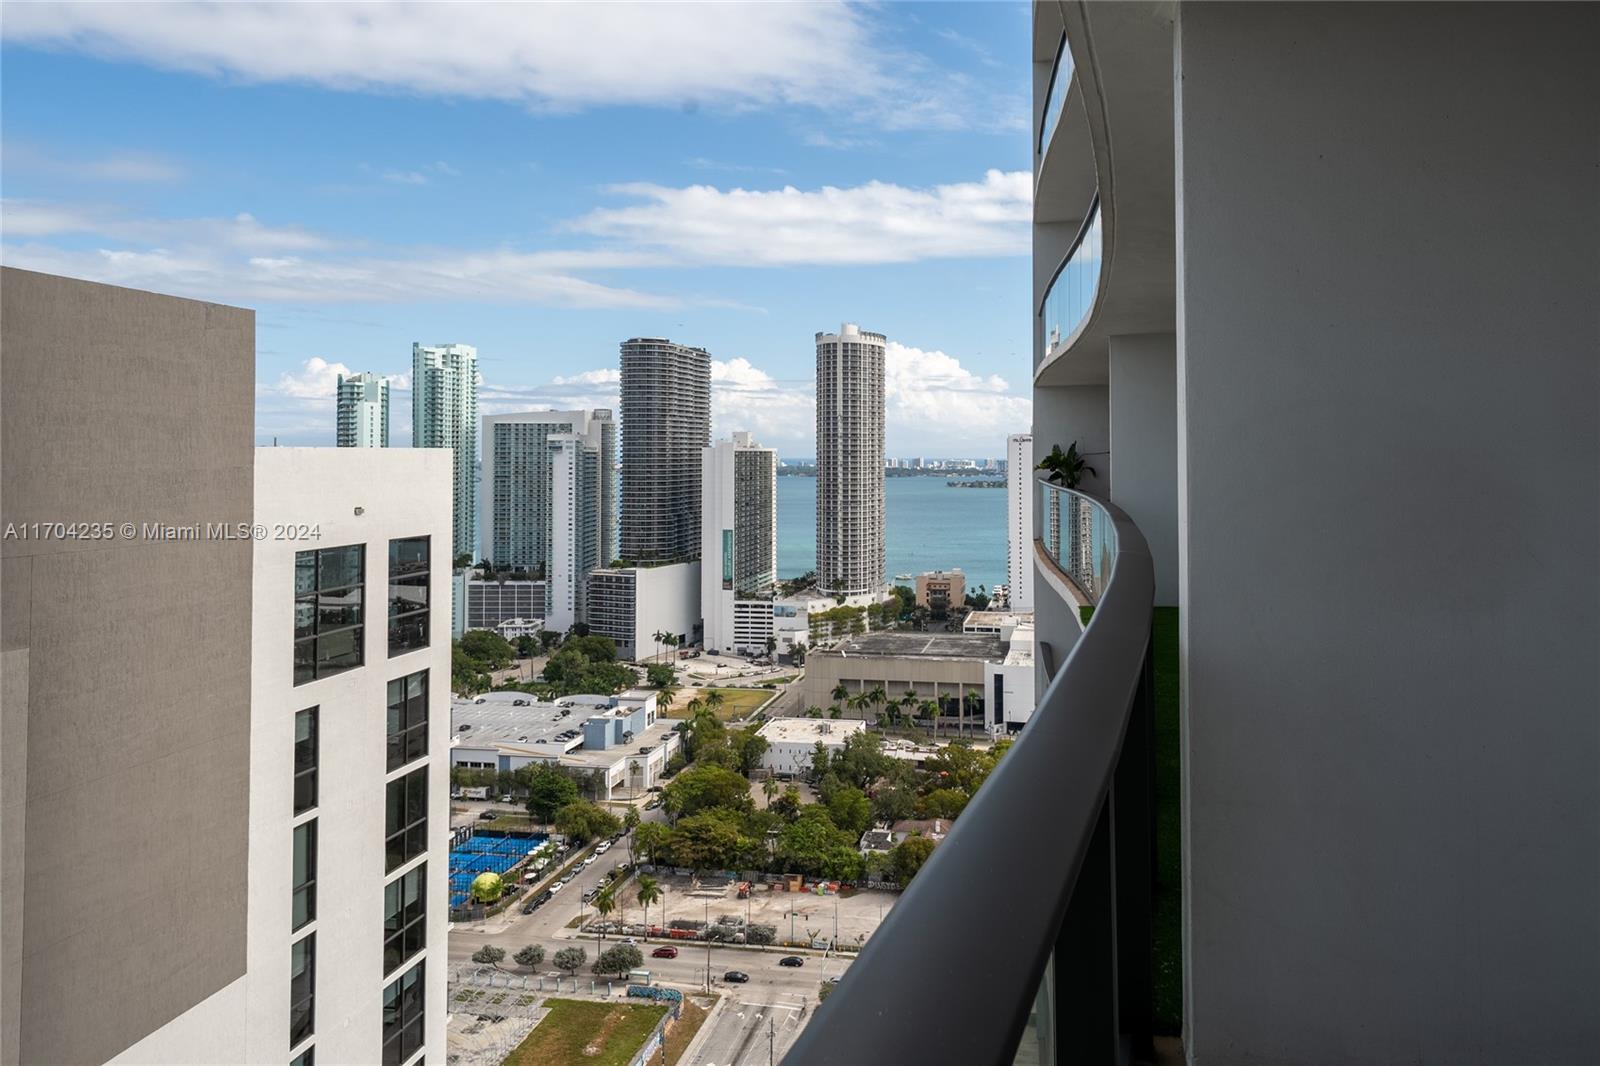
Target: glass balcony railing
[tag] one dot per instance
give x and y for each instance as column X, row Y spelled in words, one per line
column 1076, row 532
column 1056, row 96
column 1071, row 294
column 1027, row 936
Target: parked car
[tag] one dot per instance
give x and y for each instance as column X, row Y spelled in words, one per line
column 588, row 897
column 587, row 859
column 529, row 908
column 736, row 977
column 653, row 788
column 556, row 887
column 664, row 953
column 544, row 897
column 652, row 805
column 605, row 846
column 791, row 960
column 487, row 816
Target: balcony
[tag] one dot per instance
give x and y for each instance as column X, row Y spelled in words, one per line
column 1071, row 293
column 1055, row 962
column 1056, row 95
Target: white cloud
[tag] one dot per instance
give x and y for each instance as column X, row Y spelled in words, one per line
column 933, row 402
column 872, row 223
column 135, row 167
column 245, row 261
column 316, row 380
column 591, row 377
column 550, row 56
column 405, row 177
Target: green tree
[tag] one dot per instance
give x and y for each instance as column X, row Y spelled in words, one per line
column 814, row 846
column 701, row 787
column 839, row 695
column 850, row 810
column 530, row 956
column 570, row 959
column 707, row 841
column 549, row 790
column 489, row 955
column 619, row 960
column 630, row 822
column 488, row 648
column 943, row 803
column 861, row 761
column 908, row 856
column 549, row 638
column 749, row 746
column 786, row 806
column 604, row 904
column 652, row 839
column 594, row 647
column 584, row 821
column 650, row 891
column 891, row 803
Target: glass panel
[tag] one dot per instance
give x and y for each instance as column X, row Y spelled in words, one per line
column 305, row 615
column 338, row 651
column 408, row 594
column 1056, row 97
column 335, row 610
column 1071, row 294
column 305, row 874
column 408, row 556
column 305, row 572
column 305, row 660
column 305, row 760
column 1078, row 534
column 339, row 567
column 302, row 988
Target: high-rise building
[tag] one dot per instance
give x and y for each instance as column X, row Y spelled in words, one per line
column 363, row 411
column 1319, row 739
column 850, row 414
column 739, row 542
column 235, row 720
column 666, row 420
column 444, row 414
column 549, row 500
column 1020, row 490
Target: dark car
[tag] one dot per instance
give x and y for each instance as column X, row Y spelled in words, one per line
column 487, row 816
column 791, row 960
column 664, row 953
column 736, row 977
column 529, row 908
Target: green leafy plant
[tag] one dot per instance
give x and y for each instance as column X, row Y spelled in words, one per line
column 1066, row 467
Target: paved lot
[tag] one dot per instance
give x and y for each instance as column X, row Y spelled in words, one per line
column 751, row 1030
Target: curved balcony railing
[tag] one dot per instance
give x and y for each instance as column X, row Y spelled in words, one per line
column 1072, row 290
column 1055, row 97
column 1076, row 533
column 1027, row 935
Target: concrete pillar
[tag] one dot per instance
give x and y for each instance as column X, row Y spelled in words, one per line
column 1388, row 246
column 1144, row 440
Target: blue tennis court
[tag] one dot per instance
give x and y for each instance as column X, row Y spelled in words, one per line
column 485, row 854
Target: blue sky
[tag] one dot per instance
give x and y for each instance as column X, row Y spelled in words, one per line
column 543, row 182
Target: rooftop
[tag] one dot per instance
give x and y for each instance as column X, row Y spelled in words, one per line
column 986, row 646
column 809, row 730
column 494, row 720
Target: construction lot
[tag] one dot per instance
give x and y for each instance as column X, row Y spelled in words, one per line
column 797, row 916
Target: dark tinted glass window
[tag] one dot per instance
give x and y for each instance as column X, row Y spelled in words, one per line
column 408, row 594
column 302, row 988
column 329, row 611
column 408, row 719
column 402, row 1016
column 405, row 912
column 305, row 873
column 305, row 760
column 406, row 818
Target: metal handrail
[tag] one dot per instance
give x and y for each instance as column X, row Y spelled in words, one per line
column 952, row 974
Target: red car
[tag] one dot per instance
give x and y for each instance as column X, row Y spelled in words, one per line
column 664, row 953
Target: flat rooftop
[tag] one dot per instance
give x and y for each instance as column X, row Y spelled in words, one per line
column 809, row 730
column 985, row 646
column 497, row 721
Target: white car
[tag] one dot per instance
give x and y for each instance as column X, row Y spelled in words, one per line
column 557, row 886
column 604, row 847
column 588, row 860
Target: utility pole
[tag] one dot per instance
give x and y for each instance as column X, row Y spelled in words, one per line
column 707, row 934
column 772, row 1035
column 836, row 921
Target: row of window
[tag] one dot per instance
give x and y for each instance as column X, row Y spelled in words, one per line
column 329, row 606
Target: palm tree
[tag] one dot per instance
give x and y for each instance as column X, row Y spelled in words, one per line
column 971, row 703
column 649, row 892
column 656, row 636
column 769, row 788
column 878, row 696
column 840, row 694
column 714, row 700
column 929, row 709
column 603, row 906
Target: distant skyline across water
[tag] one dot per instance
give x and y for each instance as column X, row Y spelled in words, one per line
column 931, row 527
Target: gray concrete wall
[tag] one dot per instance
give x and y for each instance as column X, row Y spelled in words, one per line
column 1144, row 440
column 122, row 406
column 1388, row 261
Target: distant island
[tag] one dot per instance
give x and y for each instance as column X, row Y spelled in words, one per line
column 974, row 483
column 979, row 479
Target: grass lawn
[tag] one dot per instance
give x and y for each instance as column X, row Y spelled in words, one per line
column 736, row 702
column 681, row 1035
column 600, row 1034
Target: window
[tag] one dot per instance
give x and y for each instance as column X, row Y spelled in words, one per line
column 406, row 818
column 405, row 912
column 305, row 873
column 328, row 591
column 402, row 1017
column 302, row 988
column 305, row 760
column 408, row 719
column 308, row 1057
column 408, row 595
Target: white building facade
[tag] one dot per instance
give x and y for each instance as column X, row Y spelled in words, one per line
column 850, row 422
column 631, row 604
column 791, row 742
column 739, row 543
column 1020, row 490
column 362, row 411
column 444, row 414
column 349, row 771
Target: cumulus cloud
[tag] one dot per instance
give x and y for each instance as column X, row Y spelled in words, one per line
column 877, row 222
column 591, row 377
column 936, row 403
column 316, row 380
column 827, row 56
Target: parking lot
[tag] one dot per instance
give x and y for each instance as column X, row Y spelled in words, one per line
column 795, row 915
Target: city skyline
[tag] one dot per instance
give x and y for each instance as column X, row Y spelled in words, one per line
column 506, row 219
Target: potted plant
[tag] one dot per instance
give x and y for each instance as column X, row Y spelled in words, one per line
column 1066, row 467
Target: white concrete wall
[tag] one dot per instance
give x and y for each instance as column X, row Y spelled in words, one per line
column 1020, row 494
column 716, row 515
column 1144, row 442
column 1066, row 413
column 402, row 492
column 1390, row 524
column 667, row 599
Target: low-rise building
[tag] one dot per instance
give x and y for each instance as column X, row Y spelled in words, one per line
column 999, row 623
column 619, row 738
column 487, row 603
column 791, row 742
column 940, row 590
column 631, row 604
column 1009, row 685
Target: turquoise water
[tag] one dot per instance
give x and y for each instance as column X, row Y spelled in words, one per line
column 931, row 527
